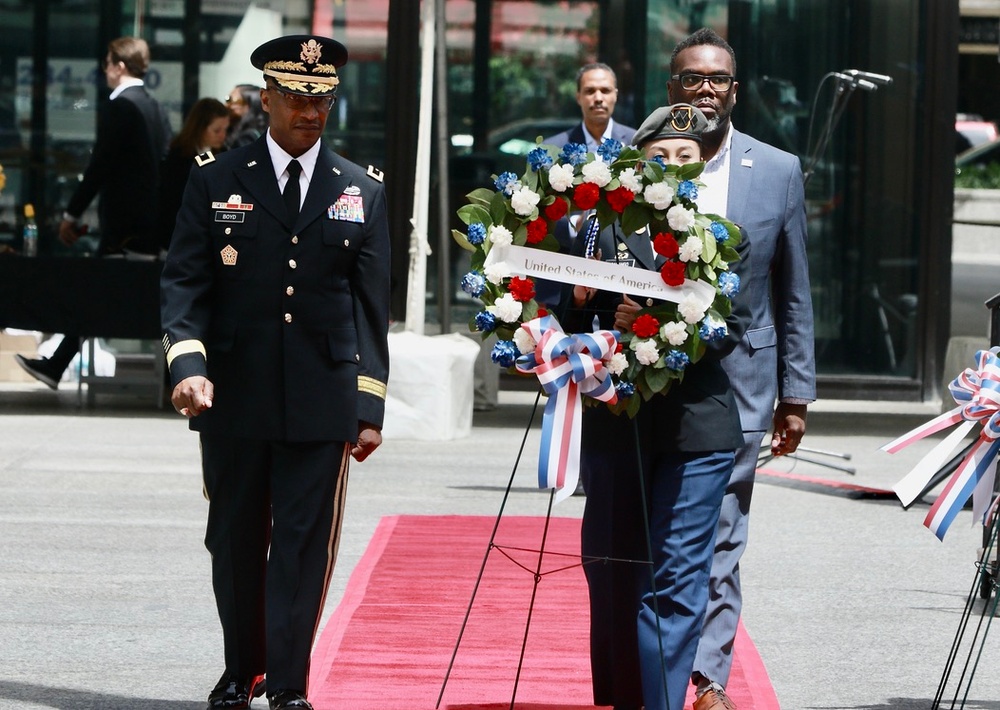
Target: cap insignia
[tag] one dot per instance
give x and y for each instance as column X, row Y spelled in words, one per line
column 311, row 52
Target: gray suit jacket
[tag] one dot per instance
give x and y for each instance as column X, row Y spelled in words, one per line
column 775, row 358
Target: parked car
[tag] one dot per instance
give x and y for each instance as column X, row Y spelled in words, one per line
column 971, row 131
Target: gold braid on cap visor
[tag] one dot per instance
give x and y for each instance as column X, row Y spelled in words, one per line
column 302, row 81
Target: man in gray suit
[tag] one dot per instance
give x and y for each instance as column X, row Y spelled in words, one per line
column 760, row 188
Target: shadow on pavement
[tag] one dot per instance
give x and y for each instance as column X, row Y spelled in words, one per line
column 913, row 704
column 69, row 699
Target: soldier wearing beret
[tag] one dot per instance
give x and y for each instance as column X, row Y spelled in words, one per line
column 275, row 314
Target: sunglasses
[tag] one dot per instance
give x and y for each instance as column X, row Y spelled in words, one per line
column 298, row 102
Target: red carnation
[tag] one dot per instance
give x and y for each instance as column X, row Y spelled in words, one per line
column 664, row 244
column 537, row 229
column 522, row 290
column 646, row 326
column 673, row 273
column 557, row 210
column 620, row 198
column 542, row 312
column 586, row 195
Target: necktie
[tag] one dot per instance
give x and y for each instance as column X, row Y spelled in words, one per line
column 293, row 192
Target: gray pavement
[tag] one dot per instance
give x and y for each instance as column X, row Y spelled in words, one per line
column 105, row 597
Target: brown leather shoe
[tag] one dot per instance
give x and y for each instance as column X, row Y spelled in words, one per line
column 714, row 698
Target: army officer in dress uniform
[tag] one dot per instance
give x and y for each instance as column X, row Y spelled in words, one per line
column 275, row 310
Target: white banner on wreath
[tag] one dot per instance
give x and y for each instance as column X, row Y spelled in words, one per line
column 603, row 275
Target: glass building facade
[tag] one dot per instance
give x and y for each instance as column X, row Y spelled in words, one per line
column 878, row 194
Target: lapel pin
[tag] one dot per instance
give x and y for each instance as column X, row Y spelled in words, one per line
column 229, row 255
column 746, row 163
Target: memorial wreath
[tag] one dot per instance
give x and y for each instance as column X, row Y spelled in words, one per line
column 615, row 184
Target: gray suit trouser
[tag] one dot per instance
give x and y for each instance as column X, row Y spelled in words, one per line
column 714, row 660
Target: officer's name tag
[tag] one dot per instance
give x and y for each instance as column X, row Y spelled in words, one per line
column 347, row 208
column 236, row 217
column 623, row 262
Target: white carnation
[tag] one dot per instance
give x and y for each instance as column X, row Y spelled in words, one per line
column 561, row 177
column 499, row 234
column 646, row 352
column 690, row 249
column 524, row 342
column 506, row 309
column 524, row 200
column 617, row 364
column 692, row 308
column 659, row 195
column 597, row 172
column 496, row 272
column 674, row 333
column 630, row 181
column 680, row 218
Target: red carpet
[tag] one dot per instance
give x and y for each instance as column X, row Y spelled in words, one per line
column 388, row 644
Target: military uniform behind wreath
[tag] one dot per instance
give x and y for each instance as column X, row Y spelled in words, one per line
column 275, row 311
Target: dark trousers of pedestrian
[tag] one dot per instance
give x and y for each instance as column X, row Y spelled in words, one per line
column 274, row 521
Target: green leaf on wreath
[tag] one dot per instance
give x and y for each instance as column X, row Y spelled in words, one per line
column 605, row 215
column 530, row 179
column 462, row 240
column 657, row 379
column 711, row 247
column 470, row 214
column 635, row 217
column 498, row 208
column 690, row 171
column 480, row 196
column 729, row 254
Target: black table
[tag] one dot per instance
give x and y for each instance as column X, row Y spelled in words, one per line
column 109, row 298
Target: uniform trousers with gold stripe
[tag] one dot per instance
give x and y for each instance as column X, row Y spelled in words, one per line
column 286, row 498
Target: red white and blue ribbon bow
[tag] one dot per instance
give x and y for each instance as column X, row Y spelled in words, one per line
column 568, row 366
column 977, row 392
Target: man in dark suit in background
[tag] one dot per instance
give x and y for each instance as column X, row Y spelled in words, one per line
column 760, row 188
column 275, row 308
column 597, row 95
column 133, row 134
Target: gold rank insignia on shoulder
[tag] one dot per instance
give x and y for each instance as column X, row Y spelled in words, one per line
column 229, row 255
column 375, row 174
column 204, row 159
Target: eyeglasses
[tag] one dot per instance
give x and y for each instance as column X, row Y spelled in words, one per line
column 691, row 82
column 298, row 102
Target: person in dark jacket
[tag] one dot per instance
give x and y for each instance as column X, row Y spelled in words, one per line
column 203, row 134
column 247, row 119
column 668, row 466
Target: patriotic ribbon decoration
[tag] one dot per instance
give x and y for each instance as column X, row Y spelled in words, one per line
column 977, row 394
column 568, row 366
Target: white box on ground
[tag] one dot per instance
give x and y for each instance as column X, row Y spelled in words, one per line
column 430, row 390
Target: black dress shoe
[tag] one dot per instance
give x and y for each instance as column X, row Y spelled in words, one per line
column 235, row 693
column 288, row 700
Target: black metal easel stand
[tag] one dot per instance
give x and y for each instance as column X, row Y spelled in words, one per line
column 538, row 574
column 985, row 575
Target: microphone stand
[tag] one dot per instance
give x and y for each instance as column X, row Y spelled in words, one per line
column 844, row 89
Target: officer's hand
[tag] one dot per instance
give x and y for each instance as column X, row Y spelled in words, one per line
column 369, row 439
column 789, row 426
column 625, row 314
column 193, row 395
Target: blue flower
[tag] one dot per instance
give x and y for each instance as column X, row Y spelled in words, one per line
column 574, row 154
column 676, row 360
column 729, row 284
column 688, row 189
column 610, row 150
column 719, row 231
column 712, row 329
column 539, row 158
column 476, row 234
column 504, row 353
column 625, row 389
column 506, row 183
column 486, row 322
column 474, row 284
column 658, row 159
